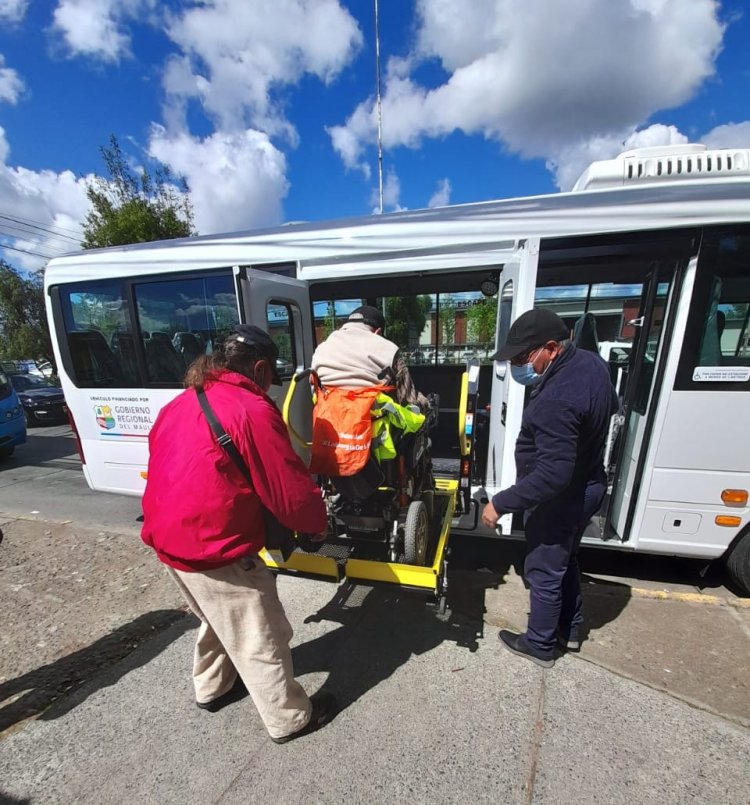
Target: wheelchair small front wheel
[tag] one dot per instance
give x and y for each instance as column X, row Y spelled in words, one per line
column 416, row 533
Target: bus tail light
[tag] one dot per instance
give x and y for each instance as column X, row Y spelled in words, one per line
column 79, row 446
column 728, row 520
column 734, row 497
column 144, row 475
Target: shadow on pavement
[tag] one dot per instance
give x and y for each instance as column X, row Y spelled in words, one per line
column 40, row 450
column 382, row 627
column 6, row 799
column 481, row 564
column 32, row 693
column 667, row 570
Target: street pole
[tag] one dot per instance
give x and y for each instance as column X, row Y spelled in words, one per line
column 380, row 115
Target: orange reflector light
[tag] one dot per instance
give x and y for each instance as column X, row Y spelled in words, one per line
column 464, row 467
column 144, row 475
column 734, row 497
column 728, row 520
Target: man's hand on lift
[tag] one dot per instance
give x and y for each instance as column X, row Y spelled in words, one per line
column 490, row 516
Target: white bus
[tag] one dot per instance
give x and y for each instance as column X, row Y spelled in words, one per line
column 656, row 244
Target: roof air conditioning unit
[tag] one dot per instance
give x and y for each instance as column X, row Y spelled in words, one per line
column 673, row 163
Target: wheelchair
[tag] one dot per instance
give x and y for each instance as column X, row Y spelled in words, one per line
column 386, row 511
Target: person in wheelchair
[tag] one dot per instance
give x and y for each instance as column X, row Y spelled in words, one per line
column 371, row 440
column 358, row 355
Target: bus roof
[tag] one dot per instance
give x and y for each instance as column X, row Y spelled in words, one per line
column 429, row 235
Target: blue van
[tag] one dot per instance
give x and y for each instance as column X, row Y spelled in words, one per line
column 12, row 421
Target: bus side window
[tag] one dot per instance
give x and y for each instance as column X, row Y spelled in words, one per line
column 94, row 364
column 181, row 319
column 280, row 325
column 123, row 348
column 717, row 334
column 163, row 364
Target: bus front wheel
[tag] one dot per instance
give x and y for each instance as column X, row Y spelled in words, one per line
column 738, row 563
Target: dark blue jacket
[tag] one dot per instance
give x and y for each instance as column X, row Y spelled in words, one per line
column 560, row 448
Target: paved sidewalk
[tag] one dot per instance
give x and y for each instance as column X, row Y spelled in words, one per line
column 433, row 711
column 692, row 645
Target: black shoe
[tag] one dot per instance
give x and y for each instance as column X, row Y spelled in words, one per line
column 518, row 644
column 234, row 694
column 323, row 711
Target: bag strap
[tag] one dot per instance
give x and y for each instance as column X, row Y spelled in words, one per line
column 277, row 535
column 223, row 438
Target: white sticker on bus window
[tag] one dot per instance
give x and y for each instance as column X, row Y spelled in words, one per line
column 473, row 373
column 721, row 374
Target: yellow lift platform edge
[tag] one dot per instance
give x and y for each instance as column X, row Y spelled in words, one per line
column 425, row 578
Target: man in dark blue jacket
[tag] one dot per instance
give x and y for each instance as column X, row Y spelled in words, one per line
column 560, row 478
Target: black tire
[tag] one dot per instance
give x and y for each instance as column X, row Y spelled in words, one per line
column 416, row 533
column 428, row 498
column 7, row 452
column 738, row 563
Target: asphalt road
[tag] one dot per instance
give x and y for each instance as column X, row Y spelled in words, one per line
column 43, row 480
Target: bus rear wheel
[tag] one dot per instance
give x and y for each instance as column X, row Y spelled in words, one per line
column 738, row 563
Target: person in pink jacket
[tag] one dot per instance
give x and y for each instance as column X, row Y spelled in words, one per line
column 205, row 521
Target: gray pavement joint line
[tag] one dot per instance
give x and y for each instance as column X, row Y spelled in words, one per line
column 733, row 718
column 736, row 615
column 536, row 741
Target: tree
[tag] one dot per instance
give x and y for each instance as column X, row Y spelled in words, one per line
column 448, row 311
column 482, row 322
column 134, row 209
column 406, row 317
column 23, row 320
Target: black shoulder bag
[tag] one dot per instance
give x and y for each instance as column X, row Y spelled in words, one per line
column 278, row 536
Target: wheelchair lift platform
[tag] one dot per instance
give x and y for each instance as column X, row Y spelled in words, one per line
column 337, row 562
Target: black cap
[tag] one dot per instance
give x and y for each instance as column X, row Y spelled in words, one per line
column 255, row 337
column 532, row 329
column 370, row 316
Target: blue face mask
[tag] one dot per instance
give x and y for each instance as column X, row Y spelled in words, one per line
column 525, row 374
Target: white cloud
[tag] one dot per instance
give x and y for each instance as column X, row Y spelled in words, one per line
column 731, row 135
column 542, row 78
column 13, row 11
column 11, row 85
column 237, row 181
column 235, row 54
column 391, row 194
column 54, row 204
column 442, row 195
column 96, row 28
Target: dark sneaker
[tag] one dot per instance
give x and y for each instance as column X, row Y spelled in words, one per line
column 234, row 694
column 518, row 645
column 323, row 711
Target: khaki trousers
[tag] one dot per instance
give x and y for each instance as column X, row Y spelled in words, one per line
column 245, row 631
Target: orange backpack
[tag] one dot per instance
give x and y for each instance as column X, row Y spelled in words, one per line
column 342, row 429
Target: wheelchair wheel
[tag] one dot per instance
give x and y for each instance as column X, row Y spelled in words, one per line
column 416, row 533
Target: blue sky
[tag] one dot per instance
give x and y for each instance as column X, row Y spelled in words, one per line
column 267, row 106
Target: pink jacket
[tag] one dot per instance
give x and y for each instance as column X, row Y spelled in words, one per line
column 198, row 511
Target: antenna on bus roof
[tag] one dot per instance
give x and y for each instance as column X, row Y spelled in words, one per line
column 380, row 115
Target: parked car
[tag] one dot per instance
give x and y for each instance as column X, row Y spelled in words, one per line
column 41, row 401
column 41, row 368
column 12, row 422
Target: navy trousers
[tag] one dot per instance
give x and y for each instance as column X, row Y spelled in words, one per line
column 553, row 535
